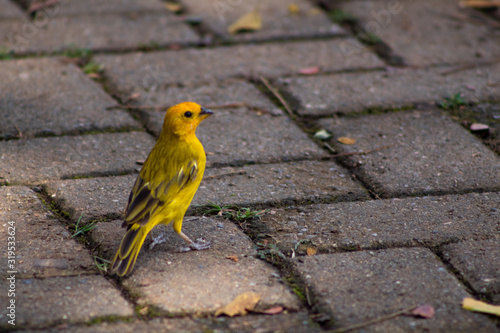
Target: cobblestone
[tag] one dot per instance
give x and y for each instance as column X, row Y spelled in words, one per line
column 428, row 221
column 41, row 159
column 426, row 32
column 51, row 97
column 394, row 88
column 469, row 258
column 427, row 153
column 278, row 21
column 359, row 286
column 64, row 300
column 44, row 247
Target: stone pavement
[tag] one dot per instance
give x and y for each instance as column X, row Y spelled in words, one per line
column 407, row 215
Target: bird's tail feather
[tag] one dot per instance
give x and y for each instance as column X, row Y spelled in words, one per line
column 129, row 249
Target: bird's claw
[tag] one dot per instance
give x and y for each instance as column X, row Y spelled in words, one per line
column 158, row 240
column 199, row 245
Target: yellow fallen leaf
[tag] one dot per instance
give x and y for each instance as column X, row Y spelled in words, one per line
column 173, row 6
column 479, row 306
column 250, row 21
column 346, row 140
column 314, row 11
column 311, row 251
column 233, row 258
column 293, row 9
column 240, row 305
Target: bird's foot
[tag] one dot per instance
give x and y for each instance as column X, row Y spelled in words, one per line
column 199, row 245
column 158, row 240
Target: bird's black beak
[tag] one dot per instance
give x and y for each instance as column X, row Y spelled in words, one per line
column 205, row 111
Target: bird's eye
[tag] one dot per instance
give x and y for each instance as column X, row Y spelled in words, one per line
column 188, row 114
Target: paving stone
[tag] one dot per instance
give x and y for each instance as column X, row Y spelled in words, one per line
column 75, row 7
column 9, row 10
column 200, row 66
column 197, row 281
column 447, row 35
column 95, row 198
column 50, row 97
column 428, row 154
column 63, row 299
column 219, row 95
column 48, row 34
column 277, row 20
column 324, row 95
column 278, row 184
column 429, row 221
column 292, row 322
column 308, row 181
column 41, row 159
column 478, row 262
column 43, row 247
column 359, row 286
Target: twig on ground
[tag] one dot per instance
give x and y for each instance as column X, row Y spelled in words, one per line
column 479, row 3
column 277, row 95
column 372, row 321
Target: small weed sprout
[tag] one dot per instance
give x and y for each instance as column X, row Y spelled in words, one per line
column 451, row 103
column 84, row 229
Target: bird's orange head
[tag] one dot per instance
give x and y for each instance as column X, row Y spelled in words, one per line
column 183, row 119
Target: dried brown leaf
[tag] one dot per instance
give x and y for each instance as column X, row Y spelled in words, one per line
column 311, row 251
column 273, row 311
column 251, row 21
column 424, row 311
column 293, row 9
column 479, row 306
column 346, row 140
column 309, row 70
column 173, row 7
column 240, row 305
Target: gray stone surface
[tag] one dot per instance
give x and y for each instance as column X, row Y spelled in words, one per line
column 9, row 10
column 134, row 7
column 95, row 198
column 428, row 221
column 478, row 262
column 43, row 247
column 256, row 132
column 197, row 281
column 309, row 181
column 277, row 20
column 428, row 154
column 292, row 322
column 394, row 88
column 428, row 32
column 200, row 66
column 217, row 95
column 96, row 32
column 63, row 299
column 51, row 97
column 359, row 286
column 41, row 159
column 279, row 184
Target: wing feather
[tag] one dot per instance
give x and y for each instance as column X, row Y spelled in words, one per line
column 145, row 198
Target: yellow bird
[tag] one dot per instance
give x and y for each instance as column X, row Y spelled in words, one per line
column 166, row 184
